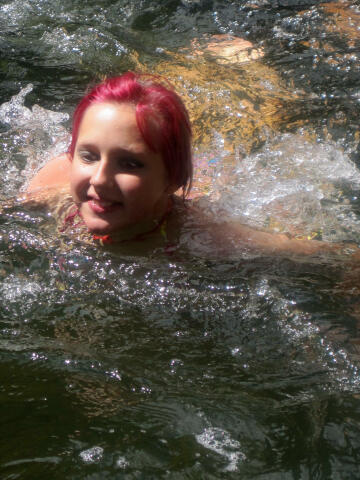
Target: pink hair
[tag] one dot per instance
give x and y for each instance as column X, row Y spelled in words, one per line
column 160, row 115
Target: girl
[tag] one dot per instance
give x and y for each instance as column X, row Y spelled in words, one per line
column 130, row 151
column 128, row 171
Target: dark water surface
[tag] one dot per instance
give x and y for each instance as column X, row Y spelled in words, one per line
column 186, row 366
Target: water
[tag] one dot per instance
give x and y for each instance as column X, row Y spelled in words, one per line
column 187, row 365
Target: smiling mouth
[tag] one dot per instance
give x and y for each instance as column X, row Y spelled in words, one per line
column 103, row 206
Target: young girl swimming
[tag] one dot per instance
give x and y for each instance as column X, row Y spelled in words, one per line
column 128, row 172
column 130, row 151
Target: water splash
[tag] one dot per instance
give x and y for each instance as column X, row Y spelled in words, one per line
column 14, row 112
column 33, row 136
column 297, row 187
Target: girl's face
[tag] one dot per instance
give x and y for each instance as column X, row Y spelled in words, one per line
column 116, row 181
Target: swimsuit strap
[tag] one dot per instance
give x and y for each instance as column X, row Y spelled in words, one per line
column 70, row 217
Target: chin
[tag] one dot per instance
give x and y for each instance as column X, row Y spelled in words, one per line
column 99, row 227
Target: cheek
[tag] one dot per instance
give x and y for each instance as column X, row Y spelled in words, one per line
column 78, row 178
column 131, row 184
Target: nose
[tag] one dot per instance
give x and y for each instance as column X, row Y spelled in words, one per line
column 102, row 175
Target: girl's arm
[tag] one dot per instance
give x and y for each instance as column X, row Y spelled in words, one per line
column 281, row 243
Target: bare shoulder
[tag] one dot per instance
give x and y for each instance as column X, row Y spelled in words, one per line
column 49, row 184
column 55, row 174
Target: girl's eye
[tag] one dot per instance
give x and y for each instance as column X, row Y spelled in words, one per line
column 130, row 164
column 88, row 157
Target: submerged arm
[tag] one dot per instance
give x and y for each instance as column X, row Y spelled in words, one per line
column 281, row 243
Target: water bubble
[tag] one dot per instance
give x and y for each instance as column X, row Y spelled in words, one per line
column 220, row 441
column 122, row 463
column 92, row 455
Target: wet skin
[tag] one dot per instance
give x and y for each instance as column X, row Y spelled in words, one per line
column 116, row 180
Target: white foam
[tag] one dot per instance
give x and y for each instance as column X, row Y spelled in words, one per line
column 220, row 441
column 34, row 136
column 92, row 455
column 298, row 185
column 14, row 112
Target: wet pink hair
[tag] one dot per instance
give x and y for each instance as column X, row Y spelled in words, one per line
column 160, row 115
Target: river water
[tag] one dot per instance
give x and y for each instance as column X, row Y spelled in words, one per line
column 186, row 366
